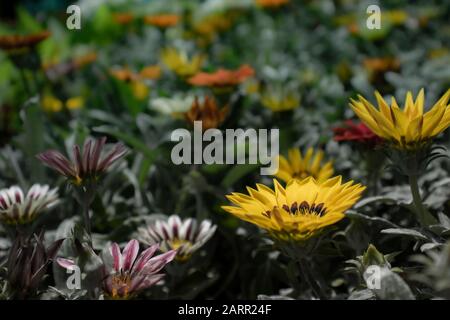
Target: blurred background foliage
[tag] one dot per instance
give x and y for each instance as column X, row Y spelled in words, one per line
column 311, row 55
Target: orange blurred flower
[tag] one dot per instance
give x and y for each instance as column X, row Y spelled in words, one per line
column 208, row 112
column 84, row 60
column 381, row 64
column 222, row 77
column 124, row 74
column 162, row 20
column 150, row 72
column 17, row 42
column 271, row 3
column 353, row 28
column 123, row 18
column 136, row 81
column 55, row 69
column 378, row 67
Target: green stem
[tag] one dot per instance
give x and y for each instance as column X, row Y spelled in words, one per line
column 14, row 164
column 36, row 82
column 25, row 83
column 87, row 220
column 307, row 275
column 423, row 215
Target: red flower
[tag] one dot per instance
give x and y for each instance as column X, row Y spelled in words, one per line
column 358, row 132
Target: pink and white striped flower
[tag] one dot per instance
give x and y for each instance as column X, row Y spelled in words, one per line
column 87, row 163
column 126, row 273
column 16, row 208
column 186, row 236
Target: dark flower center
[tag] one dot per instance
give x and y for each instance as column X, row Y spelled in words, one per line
column 303, row 208
column 306, row 208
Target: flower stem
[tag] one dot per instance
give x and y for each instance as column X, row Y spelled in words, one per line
column 423, row 215
column 25, row 83
column 307, row 275
column 87, row 220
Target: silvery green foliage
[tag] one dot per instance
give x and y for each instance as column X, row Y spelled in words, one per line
column 436, row 272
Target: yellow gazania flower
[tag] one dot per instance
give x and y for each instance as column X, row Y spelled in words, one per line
column 51, row 104
column 299, row 211
column 299, row 167
column 179, row 62
column 407, row 128
column 74, row 103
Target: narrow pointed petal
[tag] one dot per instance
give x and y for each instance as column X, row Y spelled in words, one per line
column 129, row 254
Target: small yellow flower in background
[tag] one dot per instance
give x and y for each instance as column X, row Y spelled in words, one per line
column 75, row 103
column 279, row 99
column 51, row 104
column 138, row 87
column 140, row 90
column 396, row 17
column 300, row 167
column 299, row 211
column 179, row 62
column 438, row 53
column 408, row 128
column 252, row 86
column 208, row 27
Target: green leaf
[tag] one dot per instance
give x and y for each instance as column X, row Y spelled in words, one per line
column 27, row 22
column 370, row 200
column 373, row 257
column 364, row 294
column 33, row 142
column 353, row 214
column 406, row 232
column 429, row 246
